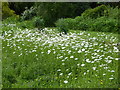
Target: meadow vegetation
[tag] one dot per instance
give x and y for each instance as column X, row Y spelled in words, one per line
column 86, row 56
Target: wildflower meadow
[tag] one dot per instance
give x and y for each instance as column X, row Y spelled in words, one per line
column 44, row 59
column 59, row 45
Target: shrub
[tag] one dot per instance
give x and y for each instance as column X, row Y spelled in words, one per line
column 96, row 12
column 28, row 13
column 25, row 24
column 62, row 26
column 103, row 22
column 78, row 19
column 70, row 23
column 51, row 12
column 83, row 23
column 39, row 23
column 6, row 11
column 113, row 12
column 11, row 20
column 105, row 25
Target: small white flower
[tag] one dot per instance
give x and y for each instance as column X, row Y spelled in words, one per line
column 112, row 71
column 13, row 52
column 109, row 61
column 116, row 58
column 94, row 68
column 59, row 70
column 88, row 70
column 79, row 51
column 69, row 51
column 54, row 52
column 20, row 54
column 83, row 49
column 49, row 51
column 63, row 47
column 82, row 65
column 76, row 58
column 61, row 57
column 71, row 56
column 67, row 76
column 42, row 52
column 78, row 64
column 66, row 57
column 61, row 74
column 67, row 69
column 92, row 61
column 104, row 74
column 105, row 67
column 84, row 73
column 70, row 73
column 112, row 75
column 95, row 53
column 111, row 78
column 65, row 81
column 87, row 60
column 75, row 78
column 63, row 63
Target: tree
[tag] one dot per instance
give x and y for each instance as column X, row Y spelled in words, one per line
column 19, row 7
column 6, row 11
column 52, row 11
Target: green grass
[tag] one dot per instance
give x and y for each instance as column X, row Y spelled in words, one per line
column 80, row 59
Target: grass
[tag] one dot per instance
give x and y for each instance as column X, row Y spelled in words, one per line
column 81, row 59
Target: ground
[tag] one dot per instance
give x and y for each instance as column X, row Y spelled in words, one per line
column 80, row 59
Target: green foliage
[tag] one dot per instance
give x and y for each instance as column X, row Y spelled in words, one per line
column 85, row 59
column 6, row 11
column 103, row 23
column 28, row 13
column 113, row 12
column 19, row 7
column 82, row 23
column 25, row 24
column 70, row 23
column 96, row 12
column 62, row 25
column 12, row 23
column 38, row 22
column 51, row 12
column 9, row 23
column 11, row 20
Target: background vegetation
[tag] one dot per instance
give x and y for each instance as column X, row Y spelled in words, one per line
column 91, row 16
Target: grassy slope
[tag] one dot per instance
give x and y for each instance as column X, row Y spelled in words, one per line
column 32, row 59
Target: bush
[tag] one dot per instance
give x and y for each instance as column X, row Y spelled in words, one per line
column 105, row 24
column 83, row 23
column 113, row 12
column 70, row 23
column 62, row 26
column 25, row 24
column 28, row 13
column 12, row 23
column 6, row 11
column 39, row 23
column 53, row 11
column 96, row 12
column 11, row 20
column 102, row 24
